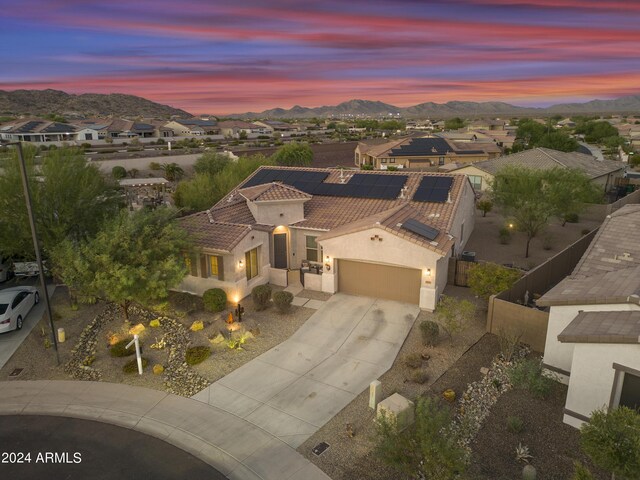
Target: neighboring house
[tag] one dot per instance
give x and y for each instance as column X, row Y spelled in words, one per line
column 486, row 124
column 38, row 130
column 593, row 335
column 193, row 127
column 234, row 128
column 380, row 234
column 567, row 122
column 417, row 152
column 276, row 126
column 601, row 172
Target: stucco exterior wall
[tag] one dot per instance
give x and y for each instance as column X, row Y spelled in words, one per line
column 592, row 376
column 392, row 250
column 283, row 212
column 465, row 214
column 487, row 178
column 560, row 355
column 235, row 282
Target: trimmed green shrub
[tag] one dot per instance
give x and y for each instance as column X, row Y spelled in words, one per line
column 118, row 349
column 366, row 167
column 214, row 300
column 505, row 235
column 154, row 166
column 571, row 218
column 185, row 301
column 413, row 360
column 430, row 331
column 118, row 172
column 196, row 355
column 132, row 366
column 515, row 424
column 419, row 376
column 528, row 375
column 282, row 300
column 261, row 296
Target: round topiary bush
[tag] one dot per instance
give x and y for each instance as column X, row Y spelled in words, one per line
column 430, row 332
column 261, row 296
column 132, row 366
column 118, row 172
column 196, row 355
column 282, row 300
column 119, row 349
column 214, row 300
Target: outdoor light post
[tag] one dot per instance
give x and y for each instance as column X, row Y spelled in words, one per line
column 36, row 246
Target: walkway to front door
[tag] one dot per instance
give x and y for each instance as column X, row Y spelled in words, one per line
column 295, row 388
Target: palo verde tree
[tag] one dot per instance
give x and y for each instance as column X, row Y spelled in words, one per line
column 486, row 279
column 134, row 257
column 531, row 196
column 211, row 163
column 71, row 199
column 569, row 190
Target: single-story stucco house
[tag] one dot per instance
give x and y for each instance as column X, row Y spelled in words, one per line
column 601, row 172
column 380, row 234
column 593, row 335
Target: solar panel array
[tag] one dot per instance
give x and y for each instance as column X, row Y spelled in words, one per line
column 28, row 127
column 433, row 189
column 422, row 147
column 378, row 186
column 58, row 128
column 421, row 229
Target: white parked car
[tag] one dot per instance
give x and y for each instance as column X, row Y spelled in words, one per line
column 15, row 305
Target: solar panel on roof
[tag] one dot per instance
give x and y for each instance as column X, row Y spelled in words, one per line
column 421, row 229
column 433, row 189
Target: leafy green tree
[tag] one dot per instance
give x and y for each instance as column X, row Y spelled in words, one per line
column 454, row 315
column 611, row 439
column 486, row 279
column 71, row 199
column 134, row 257
column 423, row 448
column 172, row 171
column 558, row 141
column 211, row 163
column 569, row 190
column 595, row 132
column 293, row 154
column 530, row 132
column 485, row 206
column 392, row 125
column 454, row 123
column 196, row 194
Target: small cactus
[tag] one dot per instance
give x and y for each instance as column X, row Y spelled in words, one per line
column 529, row 472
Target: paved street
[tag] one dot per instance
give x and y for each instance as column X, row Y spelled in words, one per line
column 10, row 341
column 298, row 386
column 98, row 451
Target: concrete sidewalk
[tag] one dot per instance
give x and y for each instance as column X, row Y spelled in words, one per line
column 298, row 386
column 233, row 446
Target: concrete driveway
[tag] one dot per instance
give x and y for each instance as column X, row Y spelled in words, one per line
column 10, row 341
column 295, row 388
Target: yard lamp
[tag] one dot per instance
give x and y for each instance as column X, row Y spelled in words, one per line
column 34, row 236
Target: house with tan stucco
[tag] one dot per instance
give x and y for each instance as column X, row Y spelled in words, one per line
column 381, row 234
column 593, row 334
column 601, row 172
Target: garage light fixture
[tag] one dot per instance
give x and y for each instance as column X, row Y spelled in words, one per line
column 327, row 265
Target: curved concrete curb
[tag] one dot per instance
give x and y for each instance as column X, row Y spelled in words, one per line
column 233, row 446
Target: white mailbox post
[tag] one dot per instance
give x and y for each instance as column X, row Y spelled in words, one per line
column 138, row 356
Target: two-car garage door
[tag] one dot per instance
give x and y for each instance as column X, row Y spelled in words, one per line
column 379, row 281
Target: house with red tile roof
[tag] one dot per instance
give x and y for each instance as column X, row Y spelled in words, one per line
column 382, row 234
column 593, row 334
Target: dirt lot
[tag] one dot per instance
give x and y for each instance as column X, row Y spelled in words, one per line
column 269, row 328
column 486, row 243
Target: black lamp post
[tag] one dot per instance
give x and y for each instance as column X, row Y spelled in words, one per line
column 36, row 245
column 239, row 312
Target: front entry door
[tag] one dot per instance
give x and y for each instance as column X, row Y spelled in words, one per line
column 280, row 250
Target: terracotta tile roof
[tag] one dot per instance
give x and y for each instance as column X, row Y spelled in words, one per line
column 603, row 327
column 272, row 192
column 609, row 271
column 207, row 233
column 546, row 158
column 328, row 213
column 391, row 221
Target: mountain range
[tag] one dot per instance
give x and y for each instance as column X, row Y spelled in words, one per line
column 43, row 102
column 627, row 104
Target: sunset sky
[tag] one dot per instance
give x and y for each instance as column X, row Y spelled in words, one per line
column 219, row 56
